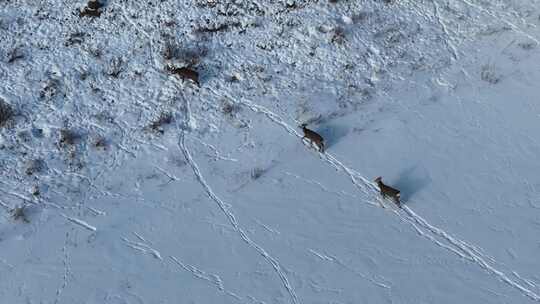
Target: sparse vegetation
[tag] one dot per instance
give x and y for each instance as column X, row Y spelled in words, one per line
column 338, row 35
column 6, row 113
column 175, row 55
column 49, row 88
column 214, row 28
column 101, row 143
column 391, row 35
column 163, row 119
column 114, row 67
column 75, row 38
column 15, row 54
column 35, row 166
column 233, row 78
column 37, row 132
column 24, row 136
column 92, row 9
column 169, row 51
column 488, row 74
column 68, row 137
column 230, row 108
column 527, row 45
column 360, row 17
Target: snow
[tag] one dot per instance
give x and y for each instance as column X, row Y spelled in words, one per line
column 140, row 187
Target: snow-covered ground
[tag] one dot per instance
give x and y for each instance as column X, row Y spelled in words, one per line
column 121, row 183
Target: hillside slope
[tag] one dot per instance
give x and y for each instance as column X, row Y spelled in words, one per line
column 123, row 183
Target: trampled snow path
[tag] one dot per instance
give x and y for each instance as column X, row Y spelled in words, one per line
column 231, row 218
column 334, row 259
column 30, row 200
column 471, row 255
column 67, row 270
column 211, row 278
column 456, row 245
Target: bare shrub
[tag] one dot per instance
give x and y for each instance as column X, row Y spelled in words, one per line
column 174, row 54
column 69, row 137
column 15, row 54
column 488, row 74
column 230, row 108
column 527, row 45
column 75, row 38
column 163, row 119
column 211, row 28
column 35, row 166
column 6, row 113
column 114, row 67
column 92, row 9
column 338, row 35
column 233, row 78
column 101, row 143
column 169, row 51
column 49, row 89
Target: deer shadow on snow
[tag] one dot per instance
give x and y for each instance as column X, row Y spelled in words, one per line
column 332, row 134
column 410, row 181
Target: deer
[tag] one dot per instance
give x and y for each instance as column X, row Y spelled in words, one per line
column 314, row 137
column 185, row 73
column 387, row 191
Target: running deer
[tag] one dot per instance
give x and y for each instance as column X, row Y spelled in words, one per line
column 388, row 191
column 313, row 137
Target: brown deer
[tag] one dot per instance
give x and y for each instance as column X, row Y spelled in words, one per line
column 185, row 73
column 388, row 191
column 313, row 137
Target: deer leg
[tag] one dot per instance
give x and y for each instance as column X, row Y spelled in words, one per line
column 310, row 142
